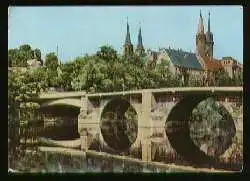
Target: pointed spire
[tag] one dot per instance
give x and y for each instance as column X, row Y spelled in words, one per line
column 128, row 40
column 139, row 43
column 208, row 29
column 200, row 26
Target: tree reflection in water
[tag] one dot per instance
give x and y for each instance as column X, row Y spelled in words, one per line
column 211, row 127
column 119, row 127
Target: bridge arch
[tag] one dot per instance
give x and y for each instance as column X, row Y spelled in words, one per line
column 107, row 101
column 120, row 106
column 60, row 118
column 69, row 102
column 178, row 132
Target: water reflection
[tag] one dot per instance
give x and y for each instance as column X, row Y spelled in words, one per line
column 61, row 163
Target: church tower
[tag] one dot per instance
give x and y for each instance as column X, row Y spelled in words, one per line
column 139, row 49
column 209, row 40
column 128, row 47
column 200, row 38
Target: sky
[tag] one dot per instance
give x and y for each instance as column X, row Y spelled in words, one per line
column 83, row 29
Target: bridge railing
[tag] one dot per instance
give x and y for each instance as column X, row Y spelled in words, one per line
column 60, row 94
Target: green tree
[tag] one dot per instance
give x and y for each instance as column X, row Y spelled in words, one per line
column 25, row 48
column 22, row 89
column 38, row 75
column 210, row 124
column 78, row 64
column 194, row 81
column 12, row 57
column 65, row 78
column 221, row 78
column 237, row 79
column 18, row 57
column 51, row 61
column 38, row 55
column 107, row 53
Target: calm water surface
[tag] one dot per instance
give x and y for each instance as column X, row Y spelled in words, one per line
column 85, row 163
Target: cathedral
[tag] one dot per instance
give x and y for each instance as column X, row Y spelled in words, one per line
column 200, row 64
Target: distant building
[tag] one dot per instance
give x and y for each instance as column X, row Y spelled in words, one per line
column 231, row 65
column 30, row 64
column 201, row 63
column 34, row 63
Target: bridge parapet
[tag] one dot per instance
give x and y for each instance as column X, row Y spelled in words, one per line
column 198, row 89
column 60, row 95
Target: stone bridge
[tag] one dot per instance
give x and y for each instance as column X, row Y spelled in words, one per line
column 155, row 108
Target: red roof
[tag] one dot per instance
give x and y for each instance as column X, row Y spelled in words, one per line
column 211, row 63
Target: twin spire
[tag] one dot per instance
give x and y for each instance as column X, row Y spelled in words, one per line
column 128, row 40
column 204, row 42
column 201, row 25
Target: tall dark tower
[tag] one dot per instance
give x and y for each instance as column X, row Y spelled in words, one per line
column 128, row 47
column 209, row 40
column 200, row 38
column 139, row 49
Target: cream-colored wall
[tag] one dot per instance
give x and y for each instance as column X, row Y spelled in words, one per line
column 175, row 70
column 196, row 72
column 228, row 65
column 164, row 56
column 229, row 70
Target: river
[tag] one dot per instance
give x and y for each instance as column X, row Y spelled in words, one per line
column 64, row 160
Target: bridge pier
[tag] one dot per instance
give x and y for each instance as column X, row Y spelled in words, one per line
column 83, row 132
column 146, row 150
column 144, row 125
column 84, row 142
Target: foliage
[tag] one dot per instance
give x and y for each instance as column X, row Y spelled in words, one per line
column 194, row 81
column 106, row 71
column 18, row 57
column 126, row 74
column 107, row 53
column 38, row 76
column 22, row 89
column 38, row 55
column 221, row 78
column 118, row 130
column 51, row 61
column 210, row 124
column 238, row 79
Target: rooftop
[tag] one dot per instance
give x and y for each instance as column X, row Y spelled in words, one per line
column 212, row 63
column 184, row 59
